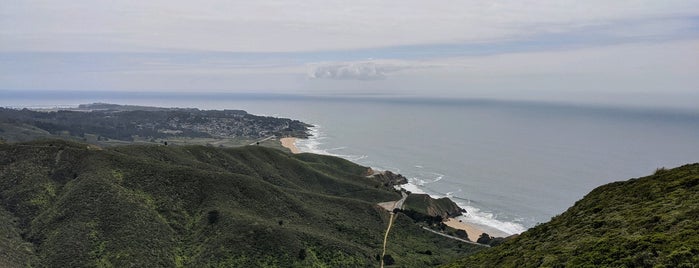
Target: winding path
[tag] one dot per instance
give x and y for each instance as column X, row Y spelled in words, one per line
column 456, row 238
column 385, row 238
column 390, row 207
column 254, row 143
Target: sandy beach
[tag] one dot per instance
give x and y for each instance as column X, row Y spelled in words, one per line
column 472, row 231
column 290, row 143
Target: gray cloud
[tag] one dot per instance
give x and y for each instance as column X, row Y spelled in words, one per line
column 354, row 70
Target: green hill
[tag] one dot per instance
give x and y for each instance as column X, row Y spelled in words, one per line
column 66, row 204
column 646, row 222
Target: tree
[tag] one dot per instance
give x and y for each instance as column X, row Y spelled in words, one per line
column 461, row 234
column 213, row 216
column 484, row 239
column 388, row 260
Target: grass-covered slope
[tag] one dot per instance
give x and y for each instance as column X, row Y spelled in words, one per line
column 646, row 222
column 65, row 204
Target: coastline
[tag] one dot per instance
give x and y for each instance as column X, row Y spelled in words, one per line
column 290, row 143
column 473, row 229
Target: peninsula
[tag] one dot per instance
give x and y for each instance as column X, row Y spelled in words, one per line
column 111, row 124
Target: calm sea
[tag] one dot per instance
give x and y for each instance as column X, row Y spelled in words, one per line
column 510, row 165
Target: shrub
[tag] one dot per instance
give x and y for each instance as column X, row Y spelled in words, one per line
column 388, row 259
column 213, row 216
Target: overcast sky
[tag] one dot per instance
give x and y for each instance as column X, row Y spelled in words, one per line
column 634, row 52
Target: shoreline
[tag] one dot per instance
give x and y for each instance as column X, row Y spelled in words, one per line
column 473, row 231
column 465, row 219
column 290, row 143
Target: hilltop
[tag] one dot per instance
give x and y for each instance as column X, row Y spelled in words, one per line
column 68, row 204
column 646, row 222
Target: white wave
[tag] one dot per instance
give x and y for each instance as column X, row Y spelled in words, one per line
column 437, row 177
column 476, row 216
column 418, row 166
column 418, row 182
column 450, row 195
column 354, row 158
column 314, row 142
column 412, row 188
column 488, row 220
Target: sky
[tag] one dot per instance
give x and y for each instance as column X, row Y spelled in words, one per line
column 637, row 53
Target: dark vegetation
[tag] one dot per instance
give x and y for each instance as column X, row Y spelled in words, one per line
column 646, row 222
column 102, row 122
column 421, row 217
column 66, row 204
column 486, row 239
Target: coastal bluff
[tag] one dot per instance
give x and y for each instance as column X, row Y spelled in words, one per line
column 386, row 177
column 424, row 204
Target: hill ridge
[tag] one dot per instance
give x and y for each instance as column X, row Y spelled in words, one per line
column 68, row 204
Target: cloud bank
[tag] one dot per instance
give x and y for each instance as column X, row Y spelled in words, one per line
column 367, row 70
column 361, row 70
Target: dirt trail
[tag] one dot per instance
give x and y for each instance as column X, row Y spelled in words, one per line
column 256, row 142
column 390, row 206
column 385, row 237
column 456, row 238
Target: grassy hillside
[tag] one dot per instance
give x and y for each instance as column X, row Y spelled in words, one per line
column 646, row 222
column 65, row 204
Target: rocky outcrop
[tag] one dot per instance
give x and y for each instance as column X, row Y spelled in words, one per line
column 387, row 178
column 427, row 205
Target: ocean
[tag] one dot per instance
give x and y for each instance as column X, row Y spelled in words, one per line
column 510, row 164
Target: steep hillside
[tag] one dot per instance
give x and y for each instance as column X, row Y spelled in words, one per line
column 65, row 204
column 646, row 222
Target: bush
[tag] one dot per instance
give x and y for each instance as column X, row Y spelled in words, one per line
column 388, row 260
column 484, row 239
column 213, row 216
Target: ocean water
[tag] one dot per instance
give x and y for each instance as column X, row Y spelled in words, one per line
column 511, row 165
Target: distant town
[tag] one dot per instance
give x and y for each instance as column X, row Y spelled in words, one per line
column 107, row 124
